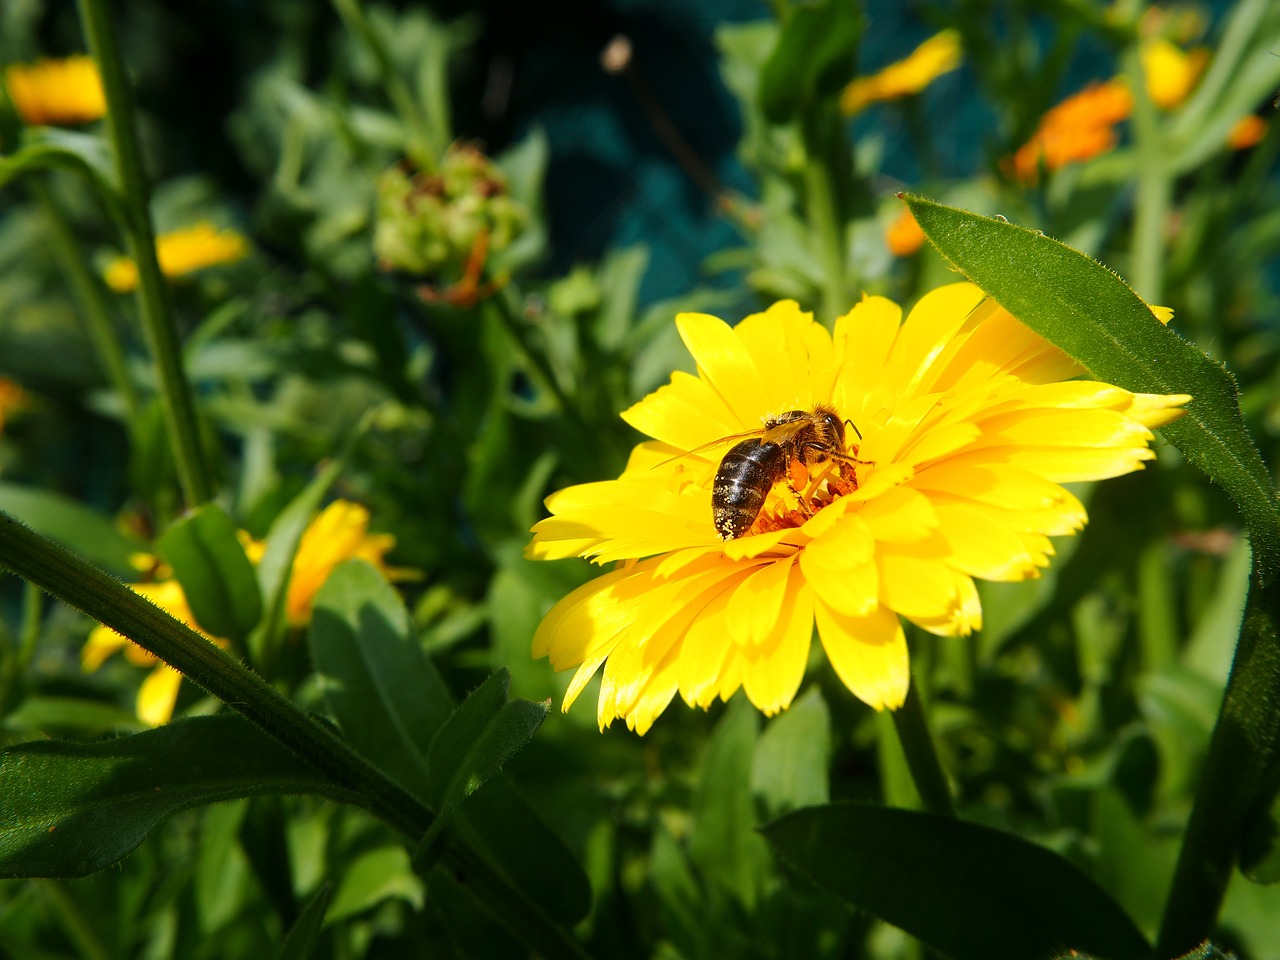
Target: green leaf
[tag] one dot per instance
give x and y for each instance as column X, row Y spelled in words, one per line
column 70, row 809
column 304, row 935
column 966, row 890
column 1094, row 316
column 390, row 701
column 791, row 760
column 373, row 877
column 219, row 581
column 383, row 691
column 483, row 733
column 79, row 528
column 722, row 840
column 47, row 148
column 814, row 58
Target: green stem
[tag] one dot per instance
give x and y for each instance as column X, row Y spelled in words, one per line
column 420, row 146
column 1154, row 190
column 153, row 299
column 1233, row 780
column 922, row 756
column 93, row 305
column 822, row 209
column 72, row 580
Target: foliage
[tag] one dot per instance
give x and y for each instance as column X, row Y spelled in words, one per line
column 389, row 779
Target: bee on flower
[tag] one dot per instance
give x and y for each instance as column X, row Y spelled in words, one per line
column 956, row 428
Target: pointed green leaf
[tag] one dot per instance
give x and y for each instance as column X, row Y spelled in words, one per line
column 1093, row 315
column 304, row 935
column 383, row 691
column 47, row 148
column 790, row 767
column 966, row 890
column 219, row 581
column 814, row 58
column 70, row 809
column 483, row 733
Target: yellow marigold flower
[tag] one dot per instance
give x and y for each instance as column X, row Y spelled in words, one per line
column 12, row 399
column 1079, row 128
column 940, row 54
column 965, row 429
column 1246, row 132
column 904, row 236
column 182, row 252
column 1169, row 71
column 57, row 91
column 340, row 532
column 159, row 692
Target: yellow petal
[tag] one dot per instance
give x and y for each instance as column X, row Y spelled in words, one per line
column 725, row 363
column 869, row 654
column 772, row 674
column 158, row 694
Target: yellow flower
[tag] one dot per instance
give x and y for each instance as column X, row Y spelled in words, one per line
column 940, row 54
column 1079, row 128
column 340, row 532
column 159, row 692
column 181, row 252
column 57, row 91
column 964, row 432
column 12, row 399
column 904, row 236
column 1169, row 71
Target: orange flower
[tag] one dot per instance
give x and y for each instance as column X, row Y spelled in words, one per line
column 1246, row 132
column 1079, row 128
column 12, row 399
column 904, row 236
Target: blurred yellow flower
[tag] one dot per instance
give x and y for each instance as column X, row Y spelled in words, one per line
column 340, row 532
column 904, row 236
column 940, row 54
column 12, row 399
column 964, row 430
column 57, row 91
column 159, row 692
column 181, row 252
column 1169, row 71
column 1246, row 132
column 1079, row 128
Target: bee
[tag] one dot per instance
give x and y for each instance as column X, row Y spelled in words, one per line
column 765, row 456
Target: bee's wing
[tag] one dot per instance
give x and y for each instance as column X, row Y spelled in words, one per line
column 782, row 432
column 711, row 445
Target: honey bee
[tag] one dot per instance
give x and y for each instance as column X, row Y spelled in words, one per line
column 765, row 456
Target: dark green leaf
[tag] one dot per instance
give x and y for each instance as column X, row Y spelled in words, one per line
column 723, row 842
column 47, row 148
column 216, row 576
column 70, row 809
column 383, row 691
column 77, row 527
column 814, row 58
column 304, row 935
column 483, row 733
column 966, row 890
column 1094, row 316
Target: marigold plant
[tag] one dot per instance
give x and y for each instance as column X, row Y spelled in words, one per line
column 964, row 425
column 181, row 252
column 67, row 92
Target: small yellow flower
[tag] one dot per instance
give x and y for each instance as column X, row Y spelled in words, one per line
column 940, row 54
column 1080, row 128
column 966, row 427
column 57, row 91
column 12, row 399
column 1246, row 132
column 904, row 236
column 182, row 252
column 159, row 692
column 1169, row 71
column 340, row 532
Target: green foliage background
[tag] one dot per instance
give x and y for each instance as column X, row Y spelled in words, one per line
column 1077, row 723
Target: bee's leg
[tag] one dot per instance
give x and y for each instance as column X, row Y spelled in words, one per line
column 799, row 484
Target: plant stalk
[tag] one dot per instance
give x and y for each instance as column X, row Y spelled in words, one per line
column 54, row 569
column 1154, row 190
column 822, row 211
column 152, row 294
column 1232, row 783
column 922, row 755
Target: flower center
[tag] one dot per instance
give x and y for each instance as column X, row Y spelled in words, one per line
column 804, row 492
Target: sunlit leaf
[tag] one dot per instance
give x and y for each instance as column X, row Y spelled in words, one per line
column 217, row 578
